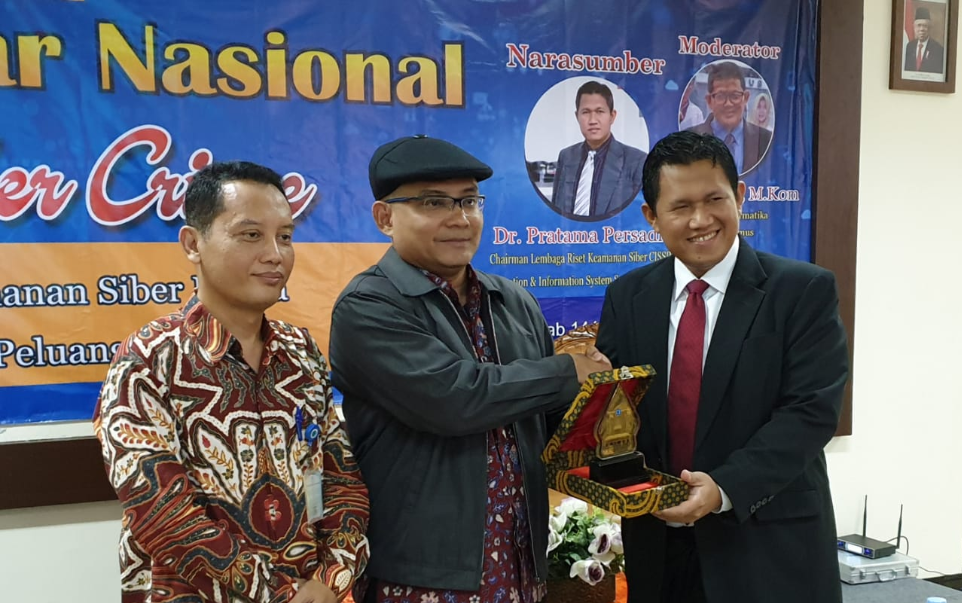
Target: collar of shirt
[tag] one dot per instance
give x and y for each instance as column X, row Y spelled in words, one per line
column 213, row 337
column 470, row 312
column 717, row 278
column 471, row 307
column 721, row 131
column 600, row 153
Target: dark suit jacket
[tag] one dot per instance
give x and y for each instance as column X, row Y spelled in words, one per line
column 770, row 401
column 620, row 180
column 931, row 61
column 757, row 140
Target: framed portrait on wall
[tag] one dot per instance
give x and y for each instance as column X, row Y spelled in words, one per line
column 924, row 37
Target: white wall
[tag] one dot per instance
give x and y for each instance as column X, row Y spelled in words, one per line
column 908, row 359
column 908, row 324
column 50, row 554
column 62, row 553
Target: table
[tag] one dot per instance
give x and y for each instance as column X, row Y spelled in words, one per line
column 903, row 590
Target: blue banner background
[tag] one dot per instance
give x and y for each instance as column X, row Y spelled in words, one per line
column 69, row 123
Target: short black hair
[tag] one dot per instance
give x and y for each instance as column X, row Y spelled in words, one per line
column 726, row 70
column 594, row 87
column 204, row 201
column 685, row 148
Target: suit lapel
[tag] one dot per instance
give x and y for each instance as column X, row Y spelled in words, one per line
column 750, row 152
column 570, row 187
column 614, row 163
column 652, row 305
column 741, row 303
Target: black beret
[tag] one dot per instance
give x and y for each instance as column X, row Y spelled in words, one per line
column 419, row 158
column 922, row 13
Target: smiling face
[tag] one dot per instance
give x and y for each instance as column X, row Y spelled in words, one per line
column 761, row 111
column 245, row 257
column 697, row 213
column 440, row 242
column 727, row 101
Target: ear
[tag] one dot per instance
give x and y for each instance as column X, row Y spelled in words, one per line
column 740, row 198
column 190, row 241
column 614, row 114
column 383, row 215
column 650, row 216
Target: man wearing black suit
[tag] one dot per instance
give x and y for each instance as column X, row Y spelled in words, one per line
column 727, row 98
column 599, row 177
column 751, row 360
column 923, row 53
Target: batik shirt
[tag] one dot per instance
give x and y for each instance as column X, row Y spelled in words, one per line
column 507, row 574
column 209, row 465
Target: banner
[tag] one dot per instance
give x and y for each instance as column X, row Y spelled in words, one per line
column 108, row 107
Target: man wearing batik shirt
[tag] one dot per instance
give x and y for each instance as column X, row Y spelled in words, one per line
column 447, row 375
column 235, row 475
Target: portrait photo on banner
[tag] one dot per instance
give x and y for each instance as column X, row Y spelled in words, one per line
column 732, row 101
column 585, row 145
column 924, row 37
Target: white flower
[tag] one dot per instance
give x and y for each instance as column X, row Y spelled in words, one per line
column 557, row 522
column 554, row 539
column 570, row 506
column 567, row 508
column 616, row 543
column 607, row 542
column 600, row 549
column 589, row 570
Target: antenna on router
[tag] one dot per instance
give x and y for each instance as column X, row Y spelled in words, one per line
column 864, row 546
column 864, row 515
column 898, row 539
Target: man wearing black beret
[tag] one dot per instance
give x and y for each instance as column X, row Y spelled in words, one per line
column 923, row 53
column 447, row 375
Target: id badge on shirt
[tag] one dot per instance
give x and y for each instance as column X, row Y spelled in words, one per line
column 314, row 494
column 309, row 432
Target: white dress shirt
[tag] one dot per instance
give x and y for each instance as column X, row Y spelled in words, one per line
column 717, row 278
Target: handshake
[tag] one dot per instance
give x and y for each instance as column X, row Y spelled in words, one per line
column 579, row 344
column 591, row 361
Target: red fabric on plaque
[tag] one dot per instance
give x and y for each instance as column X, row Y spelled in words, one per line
column 581, row 436
column 583, row 473
column 637, row 487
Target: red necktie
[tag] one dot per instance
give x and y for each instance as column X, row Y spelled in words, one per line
column 684, row 386
column 918, row 57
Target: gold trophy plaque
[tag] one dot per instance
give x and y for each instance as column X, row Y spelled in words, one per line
column 618, row 462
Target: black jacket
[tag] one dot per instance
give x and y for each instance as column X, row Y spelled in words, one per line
column 418, row 406
column 931, row 61
column 771, row 396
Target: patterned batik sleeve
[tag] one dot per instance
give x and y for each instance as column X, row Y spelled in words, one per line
column 162, row 510
column 342, row 543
